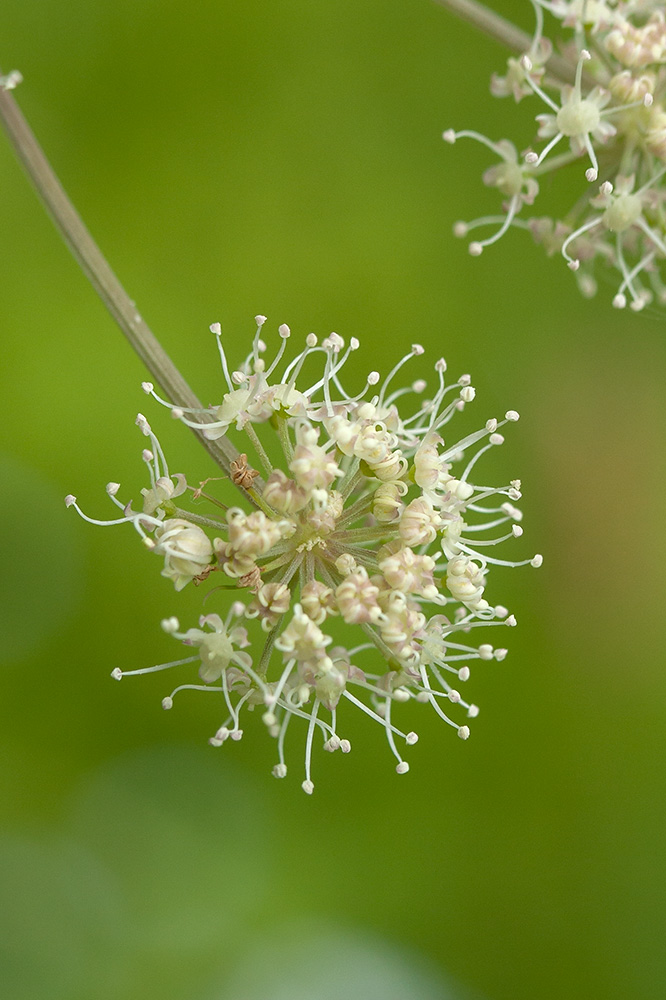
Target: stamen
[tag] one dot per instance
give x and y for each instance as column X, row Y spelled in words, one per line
column 415, row 351
column 307, row 785
column 572, row 262
column 216, row 329
column 476, row 248
column 117, row 674
column 432, row 700
column 274, row 697
column 536, row 160
column 373, row 715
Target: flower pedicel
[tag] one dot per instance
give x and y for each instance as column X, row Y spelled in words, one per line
column 369, row 519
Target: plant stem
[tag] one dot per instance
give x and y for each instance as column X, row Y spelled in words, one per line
column 504, row 31
column 104, row 281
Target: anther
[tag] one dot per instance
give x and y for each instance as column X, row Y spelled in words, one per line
column 259, row 320
column 463, row 674
column 511, row 621
column 112, row 488
column 147, row 455
column 280, row 771
column 237, row 735
column 345, row 746
column 516, row 530
column 311, row 340
column 573, row 265
column 512, row 415
column 620, row 301
column 449, row 136
column 284, row 331
column 475, row 248
column 417, row 349
column 117, row 674
column 411, row 739
column 307, row 786
column 537, row 561
column 167, row 703
column 70, row 499
column 496, row 439
column 591, row 174
column 463, row 732
column 373, row 378
column 453, row 696
column 531, row 157
column 147, row 387
column 170, row 625
column 472, row 712
column 177, row 413
column 402, row 767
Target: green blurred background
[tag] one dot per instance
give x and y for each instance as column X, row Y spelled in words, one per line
column 285, row 157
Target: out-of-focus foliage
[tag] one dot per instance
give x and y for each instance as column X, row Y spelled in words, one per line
column 285, row 158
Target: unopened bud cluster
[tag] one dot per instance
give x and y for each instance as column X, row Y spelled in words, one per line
column 612, row 118
column 350, row 572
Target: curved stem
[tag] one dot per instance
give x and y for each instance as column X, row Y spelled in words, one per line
column 96, row 268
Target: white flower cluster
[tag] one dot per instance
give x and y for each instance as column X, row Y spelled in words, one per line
column 368, row 519
column 614, row 117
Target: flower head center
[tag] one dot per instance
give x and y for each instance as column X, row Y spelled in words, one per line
column 578, row 117
column 623, row 213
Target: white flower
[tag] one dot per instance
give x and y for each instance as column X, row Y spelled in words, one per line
column 186, row 548
column 216, row 648
column 466, row 582
column 615, row 116
column 382, row 531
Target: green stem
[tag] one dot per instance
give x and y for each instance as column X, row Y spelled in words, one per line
column 357, row 510
column 285, row 440
column 205, row 522
column 99, row 273
column 259, row 448
column 372, row 534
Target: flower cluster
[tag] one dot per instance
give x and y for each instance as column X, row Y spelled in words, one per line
column 612, row 114
column 368, row 519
